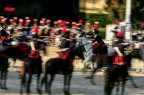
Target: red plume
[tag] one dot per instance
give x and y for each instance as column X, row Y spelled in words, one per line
column 117, row 22
column 64, row 30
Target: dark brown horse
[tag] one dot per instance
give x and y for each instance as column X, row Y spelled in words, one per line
column 58, row 66
column 99, row 61
column 113, row 75
column 32, row 65
column 3, row 70
column 14, row 52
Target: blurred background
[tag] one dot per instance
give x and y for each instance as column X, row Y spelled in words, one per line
column 51, row 9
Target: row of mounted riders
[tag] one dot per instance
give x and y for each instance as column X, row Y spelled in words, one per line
column 33, row 65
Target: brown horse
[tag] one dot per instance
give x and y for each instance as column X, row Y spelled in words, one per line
column 4, row 69
column 32, row 65
column 58, row 66
column 99, row 61
column 14, row 52
column 116, row 74
column 112, row 75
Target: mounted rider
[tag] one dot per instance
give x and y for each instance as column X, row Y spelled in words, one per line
column 99, row 47
column 5, row 38
column 66, row 47
column 120, row 59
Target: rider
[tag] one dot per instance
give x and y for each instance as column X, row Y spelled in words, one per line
column 66, row 47
column 39, row 44
column 98, row 43
column 119, row 48
column 99, row 48
column 4, row 37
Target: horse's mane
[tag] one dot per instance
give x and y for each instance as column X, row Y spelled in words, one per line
column 14, row 51
column 86, row 43
column 23, row 46
column 11, row 51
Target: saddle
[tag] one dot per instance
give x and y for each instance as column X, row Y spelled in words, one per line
column 63, row 52
column 100, row 50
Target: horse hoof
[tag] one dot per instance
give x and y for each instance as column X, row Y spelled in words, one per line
column 88, row 77
column 66, row 93
column 135, row 86
column 28, row 91
column 39, row 92
column 93, row 83
column 6, row 88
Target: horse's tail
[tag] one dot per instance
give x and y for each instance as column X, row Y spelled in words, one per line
column 109, row 80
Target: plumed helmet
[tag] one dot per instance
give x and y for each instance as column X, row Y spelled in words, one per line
column 117, row 22
column 80, row 21
column 120, row 35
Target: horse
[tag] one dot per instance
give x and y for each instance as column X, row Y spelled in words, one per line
column 96, row 64
column 32, row 65
column 13, row 52
column 112, row 75
column 82, row 41
column 60, row 66
column 104, row 61
column 115, row 75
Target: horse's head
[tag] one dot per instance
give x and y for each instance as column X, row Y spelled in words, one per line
column 84, row 42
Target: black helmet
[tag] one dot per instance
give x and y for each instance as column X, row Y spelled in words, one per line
column 96, row 31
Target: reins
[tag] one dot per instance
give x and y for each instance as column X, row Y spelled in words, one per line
column 84, row 45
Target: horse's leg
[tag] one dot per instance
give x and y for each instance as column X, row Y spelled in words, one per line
column 44, row 79
column 123, row 87
column 29, row 83
column 92, row 75
column 38, row 83
column 50, row 83
column 2, row 79
column 67, row 82
column 88, row 59
column 132, row 81
column 117, row 87
column 44, row 50
column 108, row 85
column 23, row 80
column 5, row 80
column 108, row 89
column 99, row 65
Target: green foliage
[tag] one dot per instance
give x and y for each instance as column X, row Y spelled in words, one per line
column 102, row 32
column 101, row 18
column 137, row 13
column 116, row 10
column 97, row 17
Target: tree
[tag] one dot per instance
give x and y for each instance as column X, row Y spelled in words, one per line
column 116, row 10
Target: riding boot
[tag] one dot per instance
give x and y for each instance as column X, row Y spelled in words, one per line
column 1, row 46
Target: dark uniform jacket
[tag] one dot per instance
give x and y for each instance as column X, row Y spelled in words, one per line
column 4, row 36
column 66, row 43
